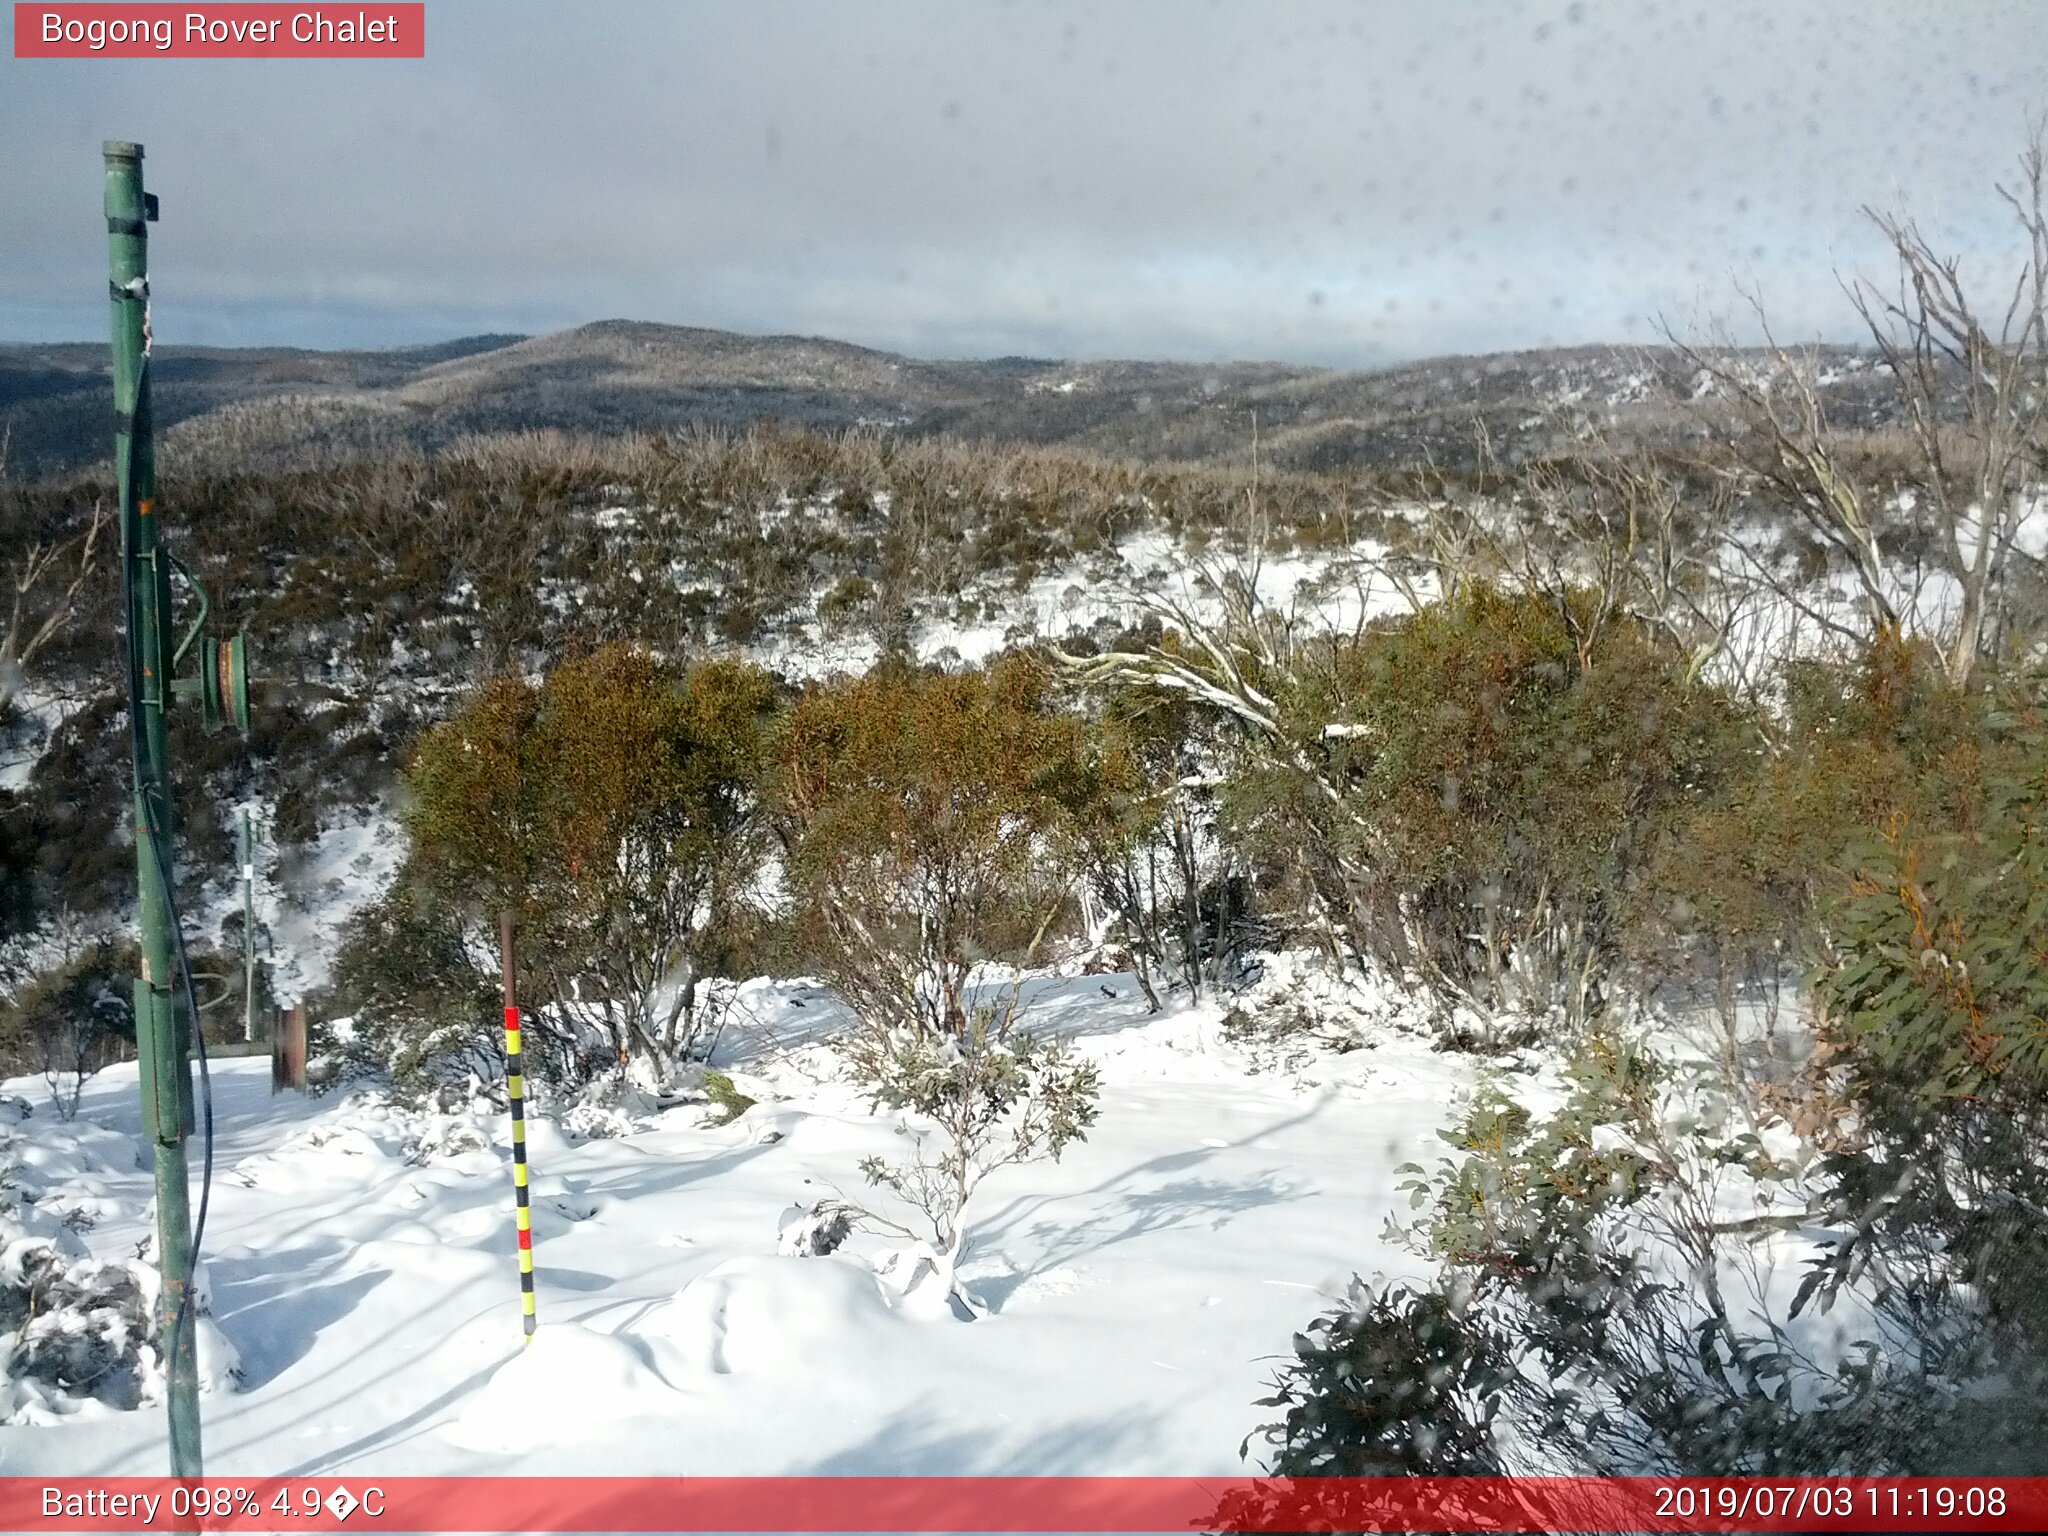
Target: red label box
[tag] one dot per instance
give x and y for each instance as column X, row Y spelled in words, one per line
column 141, row 1506
column 370, row 30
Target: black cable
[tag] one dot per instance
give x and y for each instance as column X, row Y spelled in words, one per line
column 154, row 833
column 205, row 1079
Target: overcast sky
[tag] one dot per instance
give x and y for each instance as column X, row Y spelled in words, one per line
column 1347, row 184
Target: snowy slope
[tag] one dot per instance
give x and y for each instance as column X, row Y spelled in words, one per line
column 1136, row 1287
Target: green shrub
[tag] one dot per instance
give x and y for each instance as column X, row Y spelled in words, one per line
column 928, row 823
column 1395, row 1383
column 1861, row 744
column 1935, row 1009
column 847, row 599
column 73, row 1019
column 1477, row 792
column 1137, row 821
column 1586, row 1250
column 615, row 809
column 17, row 866
column 422, row 1008
column 725, row 1097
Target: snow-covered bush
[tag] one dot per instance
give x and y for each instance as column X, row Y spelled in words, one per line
column 812, row 1231
column 443, row 1138
column 75, row 1328
column 1619, row 1293
column 972, row 1103
column 610, row 1106
column 410, row 1004
column 1295, row 1006
column 71, row 1019
column 81, row 1329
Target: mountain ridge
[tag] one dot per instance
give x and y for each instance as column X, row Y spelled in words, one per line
column 272, row 403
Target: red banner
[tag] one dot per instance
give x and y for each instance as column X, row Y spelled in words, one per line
column 359, row 31
column 1011, row 1504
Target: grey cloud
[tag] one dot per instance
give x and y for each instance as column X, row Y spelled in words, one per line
column 1334, row 183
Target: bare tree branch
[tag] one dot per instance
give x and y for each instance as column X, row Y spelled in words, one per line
column 43, row 593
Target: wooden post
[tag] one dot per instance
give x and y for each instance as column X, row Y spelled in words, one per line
column 288, row 1050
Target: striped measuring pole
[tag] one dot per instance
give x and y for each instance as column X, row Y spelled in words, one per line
column 515, row 1084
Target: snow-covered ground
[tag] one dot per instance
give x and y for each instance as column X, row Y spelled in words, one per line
column 1328, row 589
column 1137, row 1289
column 37, row 717
column 304, row 897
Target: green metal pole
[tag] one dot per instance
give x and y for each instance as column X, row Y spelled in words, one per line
column 159, row 1038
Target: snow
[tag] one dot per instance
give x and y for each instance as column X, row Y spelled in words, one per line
column 771, row 1316
column 304, row 896
column 1137, row 1290
column 2030, row 530
column 603, row 1374
column 39, row 716
column 1330, row 590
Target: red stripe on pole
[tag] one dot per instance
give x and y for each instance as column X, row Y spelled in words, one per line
column 525, row 1238
column 511, row 1020
column 1048, row 1504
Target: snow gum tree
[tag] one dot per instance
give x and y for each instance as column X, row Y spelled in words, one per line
column 928, row 822
column 1144, row 816
column 1967, row 365
column 614, row 807
column 1469, row 795
column 42, row 581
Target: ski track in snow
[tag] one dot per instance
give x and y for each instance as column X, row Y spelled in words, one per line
column 1139, row 1288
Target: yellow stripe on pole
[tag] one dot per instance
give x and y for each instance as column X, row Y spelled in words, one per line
column 515, row 1083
